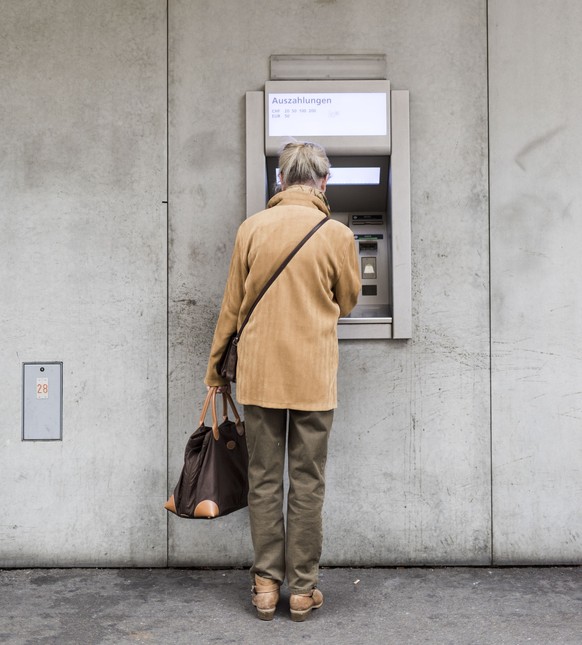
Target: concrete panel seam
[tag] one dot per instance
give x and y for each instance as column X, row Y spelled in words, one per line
column 167, row 272
column 491, row 528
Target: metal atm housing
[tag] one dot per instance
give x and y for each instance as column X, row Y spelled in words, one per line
column 364, row 127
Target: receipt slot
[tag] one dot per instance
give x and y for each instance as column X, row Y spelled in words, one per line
column 364, row 127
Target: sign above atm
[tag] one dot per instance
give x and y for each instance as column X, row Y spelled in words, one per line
column 346, row 117
column 327, row 115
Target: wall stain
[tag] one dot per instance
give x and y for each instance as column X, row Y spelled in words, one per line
column 542, row 140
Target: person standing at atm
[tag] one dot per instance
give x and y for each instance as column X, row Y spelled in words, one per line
column 286, row 372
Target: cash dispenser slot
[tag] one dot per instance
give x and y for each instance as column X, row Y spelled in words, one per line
column 368, row 246
column 367, row 218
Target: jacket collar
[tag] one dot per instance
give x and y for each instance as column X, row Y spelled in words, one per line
column 300, row 195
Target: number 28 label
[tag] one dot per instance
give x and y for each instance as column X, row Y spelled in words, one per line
column 42, row 388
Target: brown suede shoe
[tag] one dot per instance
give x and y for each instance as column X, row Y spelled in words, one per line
column 302, row 604
column 265, row 597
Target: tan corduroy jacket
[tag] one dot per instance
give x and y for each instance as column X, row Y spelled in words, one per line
column 288, row 352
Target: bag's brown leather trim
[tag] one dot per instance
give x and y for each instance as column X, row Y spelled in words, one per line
column 207, row 508
column 235, row 413
column 211, row 398
column 170, row 505
column 226, row 401
column 206, row 404
column 215, row 432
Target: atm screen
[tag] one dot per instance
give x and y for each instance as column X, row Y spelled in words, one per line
column 358, row 184
column 365, row 176
column 345, row 117
column 310, row 114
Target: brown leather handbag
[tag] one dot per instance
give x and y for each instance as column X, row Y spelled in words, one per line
column 226, row 366
column 214, row 478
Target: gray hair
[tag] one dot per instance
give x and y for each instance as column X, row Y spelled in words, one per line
column 302, row 162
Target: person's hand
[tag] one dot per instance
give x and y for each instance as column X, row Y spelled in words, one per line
column 220, row 389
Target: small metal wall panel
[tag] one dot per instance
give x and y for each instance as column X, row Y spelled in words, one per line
column 42, row 401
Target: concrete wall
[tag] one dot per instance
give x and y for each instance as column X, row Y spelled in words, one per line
column 83, row 248
column 409, row 470
column 431, row 434
column 536, row 264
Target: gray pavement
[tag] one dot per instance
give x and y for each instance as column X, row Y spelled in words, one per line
column 479, row 606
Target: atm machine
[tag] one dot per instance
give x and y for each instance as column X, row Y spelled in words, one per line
column 364, row 127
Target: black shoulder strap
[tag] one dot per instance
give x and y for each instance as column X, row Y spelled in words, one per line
column 278, row 273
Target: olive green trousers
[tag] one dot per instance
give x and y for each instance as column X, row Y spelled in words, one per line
column 292, row 551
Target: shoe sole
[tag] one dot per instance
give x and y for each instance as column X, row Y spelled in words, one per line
column 299, row 615
column 265, row 614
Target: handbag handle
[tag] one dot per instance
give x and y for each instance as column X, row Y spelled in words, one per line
column 207, row 401
column 237, row 420
column 226, row 400
column 210, row 398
